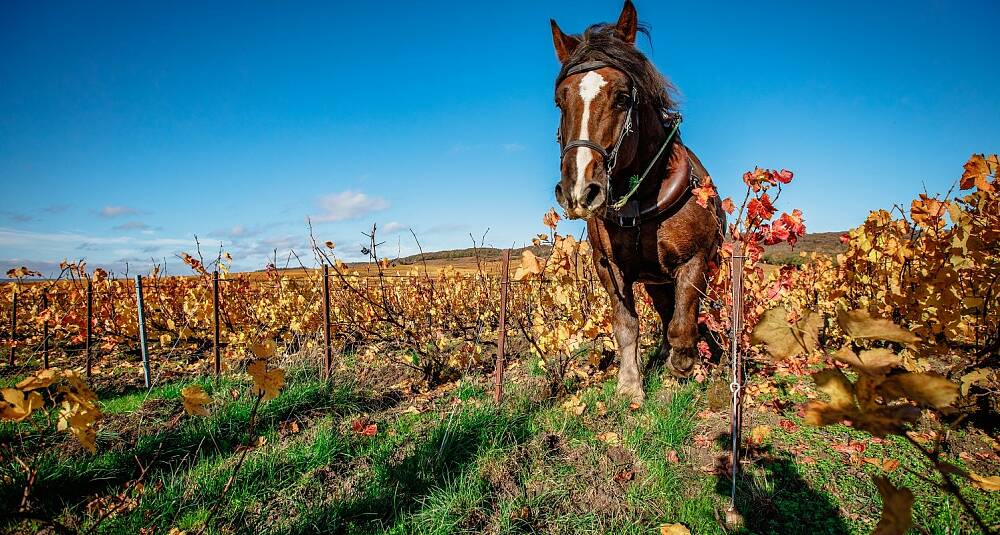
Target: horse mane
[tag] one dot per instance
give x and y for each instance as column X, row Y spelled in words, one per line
column 600, row 43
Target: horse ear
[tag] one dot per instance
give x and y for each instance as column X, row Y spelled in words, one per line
column 565, row 44
column 628, row 23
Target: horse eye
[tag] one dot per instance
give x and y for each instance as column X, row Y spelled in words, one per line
column 622, row 100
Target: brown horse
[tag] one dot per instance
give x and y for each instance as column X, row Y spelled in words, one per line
column 626, row 171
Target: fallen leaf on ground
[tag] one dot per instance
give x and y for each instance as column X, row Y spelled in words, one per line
column 788, row 426
column 760, row 434
column 674, row 529
column 887, row 465
column 991, row 484
column 609, row 437
column 624, row 476
column 573, row 405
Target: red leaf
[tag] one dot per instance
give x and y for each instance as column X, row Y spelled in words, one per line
column 370, row 430
column 788, row 426
column 760, row 209
column 705, row 192
column 727, row 205
column 784, row 176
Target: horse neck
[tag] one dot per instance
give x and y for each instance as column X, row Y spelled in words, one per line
column 651, row 136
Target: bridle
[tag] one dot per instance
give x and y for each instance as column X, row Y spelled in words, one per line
column 669, row 120
column 609, row 157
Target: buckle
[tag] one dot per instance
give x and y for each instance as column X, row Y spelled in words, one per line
column 628, row 216
column 628, row 222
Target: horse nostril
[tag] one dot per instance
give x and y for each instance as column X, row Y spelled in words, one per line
column 590, row 195
column 560, row 198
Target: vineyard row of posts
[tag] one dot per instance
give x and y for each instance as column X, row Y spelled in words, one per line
column 436, row 323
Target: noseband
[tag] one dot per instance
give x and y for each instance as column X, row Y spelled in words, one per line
column 669, row 120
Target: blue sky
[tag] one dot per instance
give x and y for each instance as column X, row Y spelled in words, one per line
column 127, row 128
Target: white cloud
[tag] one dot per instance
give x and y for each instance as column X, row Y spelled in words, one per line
column 115, row 211
column 17, row 238
column 348, row 205
column 392, row 227
column 133, row 225
column 238, row 231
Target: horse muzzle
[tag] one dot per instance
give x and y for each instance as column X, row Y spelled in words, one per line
column 582, row 203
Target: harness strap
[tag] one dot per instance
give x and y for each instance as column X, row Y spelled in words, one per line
column 617, row 205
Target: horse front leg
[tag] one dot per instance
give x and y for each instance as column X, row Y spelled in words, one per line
column 625, row 322
column 626, row 325
column 682, row 333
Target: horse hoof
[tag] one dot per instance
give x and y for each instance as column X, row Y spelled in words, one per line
column 681, row 362
column 634, row 393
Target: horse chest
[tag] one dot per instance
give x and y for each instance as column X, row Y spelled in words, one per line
column 646, row 254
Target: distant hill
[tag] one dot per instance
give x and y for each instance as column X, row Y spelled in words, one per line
column 817, row 242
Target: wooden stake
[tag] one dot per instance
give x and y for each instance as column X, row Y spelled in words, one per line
column 13, row 327
column 45, row 332
column 327, row 348
column 215, row 320
column 90, row 324
column 502, row 330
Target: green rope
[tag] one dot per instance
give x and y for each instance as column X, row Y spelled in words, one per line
column 636, row 180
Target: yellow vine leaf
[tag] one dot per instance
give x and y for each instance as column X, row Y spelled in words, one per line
column 39, row 379
column 897, row 508
column 266, row 381
column 859, row 324
column 783, row 339
column 529, row 266
column 551, row 219
column 924, row 388
column 977, row 170
column 80, row 419
column 195, row 400
column 16, row 407
column 870, row 361
column 263, row 350
column 833, row 383
column 859, row 404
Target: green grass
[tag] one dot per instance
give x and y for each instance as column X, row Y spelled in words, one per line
column 464, row 465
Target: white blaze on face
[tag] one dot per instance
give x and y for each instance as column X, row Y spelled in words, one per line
column 590, row 86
